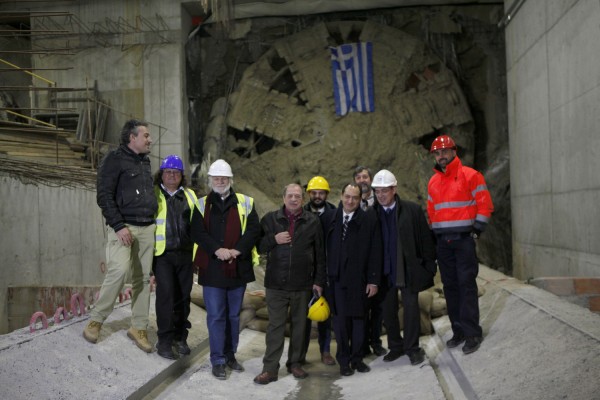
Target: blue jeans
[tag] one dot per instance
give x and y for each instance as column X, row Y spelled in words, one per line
column 223, row 306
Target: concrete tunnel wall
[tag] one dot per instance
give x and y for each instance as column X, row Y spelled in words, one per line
column 553, row 83
column 52, row 237
column 553, row 91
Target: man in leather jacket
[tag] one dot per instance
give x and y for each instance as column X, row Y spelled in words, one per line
column 292, row 238
column 126, row 197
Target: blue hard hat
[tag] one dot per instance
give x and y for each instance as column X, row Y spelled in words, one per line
column 172, row 162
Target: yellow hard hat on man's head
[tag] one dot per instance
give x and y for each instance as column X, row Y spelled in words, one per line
column 318, row 309
column 317, row 183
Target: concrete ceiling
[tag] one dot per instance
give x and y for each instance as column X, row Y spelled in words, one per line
column 254, row 8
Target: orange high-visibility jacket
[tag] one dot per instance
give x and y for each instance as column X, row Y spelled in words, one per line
column 458, row 200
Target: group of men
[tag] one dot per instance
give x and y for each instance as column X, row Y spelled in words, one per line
column 360, row 256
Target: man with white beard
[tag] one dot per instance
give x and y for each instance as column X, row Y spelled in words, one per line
column 225, row 226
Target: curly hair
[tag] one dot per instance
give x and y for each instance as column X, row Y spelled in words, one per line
column 131, row 128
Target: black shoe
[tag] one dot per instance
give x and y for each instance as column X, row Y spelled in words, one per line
column 360, row 366
column 234, row 365
column 346, row 370
column 472, row 344
column 393, row 355
column 417, row 357
column 219, row 371
column 455, row 341
column 182, row 347
column 165, row 350
column 379, row 350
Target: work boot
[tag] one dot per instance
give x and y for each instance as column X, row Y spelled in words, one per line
column 416, row 357
column 92, row 331
column 165, row 350
column 140, row 337
column 182, row 347
column 457, row 339
column 472, row 344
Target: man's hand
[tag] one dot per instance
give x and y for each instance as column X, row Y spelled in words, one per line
column 318, row 289
column 223, row 254
column 283, row 238
column 371, row 290
column 124, row 236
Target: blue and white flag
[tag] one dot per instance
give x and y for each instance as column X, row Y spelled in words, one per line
column 352, row 69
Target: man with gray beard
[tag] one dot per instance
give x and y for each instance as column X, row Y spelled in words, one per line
column 225, row 227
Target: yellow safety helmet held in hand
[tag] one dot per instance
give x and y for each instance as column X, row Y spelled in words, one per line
column 318, row 309
column 317, row 183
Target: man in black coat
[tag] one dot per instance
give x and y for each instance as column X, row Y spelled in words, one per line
column 292, row 238
column 318, row 190
column 408, row 265
column 353, row 268
column 225, row 227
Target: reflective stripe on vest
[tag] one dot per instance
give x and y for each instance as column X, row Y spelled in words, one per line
column 244, row 207
column 161, row 218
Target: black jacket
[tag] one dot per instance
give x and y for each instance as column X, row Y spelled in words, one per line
column 417, row 244
column 355, row 262
column 125, row 192
column 177, row 224
column 212, row 240
column 325, row 216
column 295, row 266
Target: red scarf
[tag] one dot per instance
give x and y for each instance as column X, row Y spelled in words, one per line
column 233, row 230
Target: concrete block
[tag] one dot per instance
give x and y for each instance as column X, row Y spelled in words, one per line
column 586, row 286
column 594, row 304
column 528, row 25
column 560, row 286
column 530, row 220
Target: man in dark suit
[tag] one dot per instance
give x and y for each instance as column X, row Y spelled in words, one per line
column 408, row 265
column 353, row 268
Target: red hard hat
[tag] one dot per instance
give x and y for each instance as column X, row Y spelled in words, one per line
column 442, row 142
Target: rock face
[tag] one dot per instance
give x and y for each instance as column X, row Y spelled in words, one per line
column 278, row 125
column 285, row 104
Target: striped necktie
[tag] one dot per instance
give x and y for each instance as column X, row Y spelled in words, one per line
column 345, row 227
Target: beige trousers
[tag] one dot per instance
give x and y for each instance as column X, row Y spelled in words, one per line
column 123, row 262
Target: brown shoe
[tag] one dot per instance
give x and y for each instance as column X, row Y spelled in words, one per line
column 297, row 371
column 92, row 331
column 265, row 378
column 327, row 359
column 140, row 337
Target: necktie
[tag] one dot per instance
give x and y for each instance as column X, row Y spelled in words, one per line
column 345, row 227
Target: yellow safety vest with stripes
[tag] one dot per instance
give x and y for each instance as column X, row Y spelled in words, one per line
column 161, row 218
column 244, row 206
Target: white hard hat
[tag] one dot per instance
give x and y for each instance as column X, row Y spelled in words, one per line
column 384, row 178
column 220, row 168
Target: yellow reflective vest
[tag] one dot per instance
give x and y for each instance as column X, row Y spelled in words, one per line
column 244, row 206
column 161, row 218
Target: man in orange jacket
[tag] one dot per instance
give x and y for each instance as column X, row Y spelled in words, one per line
column 459, row 207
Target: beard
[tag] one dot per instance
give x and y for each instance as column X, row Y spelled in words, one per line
column 317, row 203
column 222, row 191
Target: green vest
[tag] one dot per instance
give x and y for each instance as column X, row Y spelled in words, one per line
column 161, row 218
column 244, row 206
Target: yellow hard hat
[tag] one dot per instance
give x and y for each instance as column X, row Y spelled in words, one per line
column 318, row 309
column 317, row 183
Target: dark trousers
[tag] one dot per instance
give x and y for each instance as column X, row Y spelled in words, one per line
column 173, row 271
column 459, row 268
column 349, row 330
column 412, row 324
column 373, row 321
column 278, row 303
column 323, row 329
